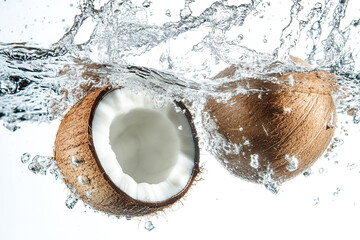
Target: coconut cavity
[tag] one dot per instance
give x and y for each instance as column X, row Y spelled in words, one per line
column 145, row 150
column 133, row 157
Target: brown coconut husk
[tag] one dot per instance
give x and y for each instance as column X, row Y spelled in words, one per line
column 74, row 138
column 292, row 115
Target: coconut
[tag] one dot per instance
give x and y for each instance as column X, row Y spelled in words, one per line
column 277, row 129
column 125, row 155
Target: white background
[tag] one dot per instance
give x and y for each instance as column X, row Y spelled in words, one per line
column 221, row 206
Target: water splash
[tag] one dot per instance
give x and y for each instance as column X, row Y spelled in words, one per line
column 175, row 56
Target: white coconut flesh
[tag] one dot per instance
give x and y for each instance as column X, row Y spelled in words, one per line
column 148, row 152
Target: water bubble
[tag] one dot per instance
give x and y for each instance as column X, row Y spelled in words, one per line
column 185, row 13
column 128, row 218
column 168, row 13
column 83, row 180
column 321, row 170
column 241, row 129
column 149, row 226
column 71, row 201
column 293, row 163
column 254, row 162
column 75, row 162
column 34, row 167
column 25, row 157
column 146, row 4
column 180, row 127
column 356, row 117
column 307, row 172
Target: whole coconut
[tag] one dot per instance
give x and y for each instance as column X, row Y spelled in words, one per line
column 280, row 127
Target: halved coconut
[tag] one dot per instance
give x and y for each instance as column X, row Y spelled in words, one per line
column 124, row 155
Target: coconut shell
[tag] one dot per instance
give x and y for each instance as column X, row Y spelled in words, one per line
column 291, row 116
column 74, row 139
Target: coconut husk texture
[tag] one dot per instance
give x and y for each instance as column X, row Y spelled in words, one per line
column 74, row 139
column 292, row 115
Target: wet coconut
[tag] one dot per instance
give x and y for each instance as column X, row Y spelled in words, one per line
column 126, row 156
column 278, row 129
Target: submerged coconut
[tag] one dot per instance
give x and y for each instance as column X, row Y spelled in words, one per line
column 278, row 129
column 124, row 155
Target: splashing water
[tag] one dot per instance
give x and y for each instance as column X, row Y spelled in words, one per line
column 174, row 54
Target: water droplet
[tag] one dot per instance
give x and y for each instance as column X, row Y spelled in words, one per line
column 293, row 163
column 149, row 226
column 89, row 193
column 321, row 170
column 128, row 218
column 40, row 164
column 307, row 172
column 11, row 126
column 254, row 162
column 287, row 110
column 71, row 201
column 83, row 180
column 316, row 201
column 269, row 183
column 185, row 13
column 34, row 167
column 168, row 13
column 25, row 157
column 337, row 191
column 75, row 162
column 146, row 4
column 241, row 129
column 180, row 127
column 273, row 187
